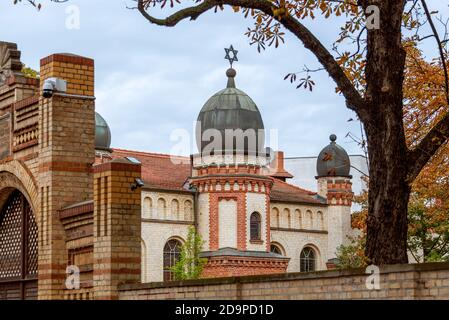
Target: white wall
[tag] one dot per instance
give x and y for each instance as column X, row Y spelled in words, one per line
column 227, row 223
column 203, row 218
column 155, row 235
column 293, row 242
column 157, row 228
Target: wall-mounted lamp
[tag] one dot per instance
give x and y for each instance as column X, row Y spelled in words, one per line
column 138, row 183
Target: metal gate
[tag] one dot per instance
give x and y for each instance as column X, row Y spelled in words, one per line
column 18, row 249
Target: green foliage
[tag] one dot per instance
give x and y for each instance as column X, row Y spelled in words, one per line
column 352, row 255
column 190, row 265
column 428, row 235
column 30, row 73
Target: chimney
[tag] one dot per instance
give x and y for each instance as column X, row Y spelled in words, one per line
column 277, row 167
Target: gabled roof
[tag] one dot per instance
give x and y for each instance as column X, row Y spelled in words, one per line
column 160, row 171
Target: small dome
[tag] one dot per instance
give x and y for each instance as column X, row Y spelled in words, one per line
column 102, row 133
column 333, row 160
column 233, row 109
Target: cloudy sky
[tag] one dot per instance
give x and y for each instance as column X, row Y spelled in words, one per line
column 151, row 80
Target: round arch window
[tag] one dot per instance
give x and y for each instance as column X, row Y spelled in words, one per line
column 274, row 248
column 255, row 226
column 172, row 254
column 307, row 260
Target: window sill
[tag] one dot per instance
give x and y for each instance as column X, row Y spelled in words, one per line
column 256, row 241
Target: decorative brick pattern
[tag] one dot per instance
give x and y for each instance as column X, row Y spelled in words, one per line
column 117, row 227
column 230, row 266
column 66, row 154
column 339, row 191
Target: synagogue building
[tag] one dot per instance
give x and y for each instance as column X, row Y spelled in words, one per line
column 70, row 203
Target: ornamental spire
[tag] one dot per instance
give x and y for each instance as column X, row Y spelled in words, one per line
column 231, row 56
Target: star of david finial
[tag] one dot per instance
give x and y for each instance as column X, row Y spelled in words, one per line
column 231, row 55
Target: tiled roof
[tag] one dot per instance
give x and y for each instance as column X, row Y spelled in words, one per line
column 167, row 172
column 160, row 171
column 285, row 192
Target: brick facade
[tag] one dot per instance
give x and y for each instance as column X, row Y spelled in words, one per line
column 229, row 266
column 117, row 227
column 47, row 152
column 420, row 281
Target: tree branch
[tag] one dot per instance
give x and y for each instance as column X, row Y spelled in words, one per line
column 429, row 145
column 440, row 48
column 354, row 100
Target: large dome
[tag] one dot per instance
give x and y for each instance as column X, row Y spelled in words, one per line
column 233, row 109
column 102, row 133
column 333, row 160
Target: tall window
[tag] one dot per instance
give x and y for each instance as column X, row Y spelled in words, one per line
column 307, row 259
column 255, row 223
column 172, row 253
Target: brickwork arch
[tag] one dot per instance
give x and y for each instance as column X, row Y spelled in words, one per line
column 14, row 175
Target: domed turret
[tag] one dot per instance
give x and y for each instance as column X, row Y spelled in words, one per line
column 102, row 133
column 231, row 109
column 333, row 160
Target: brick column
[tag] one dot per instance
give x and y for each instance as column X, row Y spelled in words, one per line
column 117, row 227
column 66, row 155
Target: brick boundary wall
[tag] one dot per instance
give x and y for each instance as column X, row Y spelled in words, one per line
column 408, row 281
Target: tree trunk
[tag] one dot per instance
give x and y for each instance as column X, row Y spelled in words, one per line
column 389, row 189
column 388, row 199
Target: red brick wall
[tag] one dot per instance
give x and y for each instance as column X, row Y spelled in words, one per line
column 242, row 266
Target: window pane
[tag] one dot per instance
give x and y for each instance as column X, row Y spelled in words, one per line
column 307, row 260
column 255, row 226
column 172, row 252
column 275, row 249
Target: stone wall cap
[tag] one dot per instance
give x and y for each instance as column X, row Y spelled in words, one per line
column 398, row 268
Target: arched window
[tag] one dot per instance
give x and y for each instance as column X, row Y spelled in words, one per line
column 147, row 207
column 255, row 224
column 274, row 248
column 175, row 209
column 307, row 260
column 286, row 219
column 172, row 253
column 161, row 208
column 298, row 216
column 310, row 219
column 188, row 211
column 321, row 220
column 275, row 218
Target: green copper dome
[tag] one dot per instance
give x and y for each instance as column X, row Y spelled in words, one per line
column 102, row 133
column 230, row 108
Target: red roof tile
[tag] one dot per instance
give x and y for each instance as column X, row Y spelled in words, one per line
column 160, row 171
column 285, row 192
column 167, row 172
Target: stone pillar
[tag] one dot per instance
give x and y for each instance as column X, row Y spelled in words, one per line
column 117, row 227
column 66, row 155
column 338, row 192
